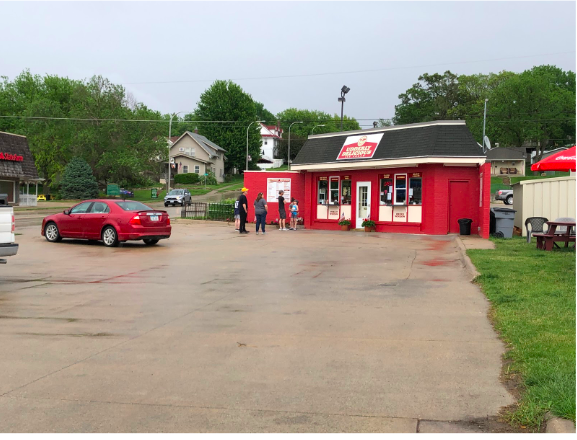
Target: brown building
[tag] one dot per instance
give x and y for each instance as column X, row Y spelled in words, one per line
column 17, row 169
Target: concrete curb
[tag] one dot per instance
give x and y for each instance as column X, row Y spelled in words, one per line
column 557, row 425
column 467, row 263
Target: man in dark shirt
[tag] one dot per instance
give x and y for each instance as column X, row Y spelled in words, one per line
column 243, row 211
column 281, row 212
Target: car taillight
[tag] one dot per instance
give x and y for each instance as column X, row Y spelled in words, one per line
column 135, row 220
column 13, row 224
column 167, row 219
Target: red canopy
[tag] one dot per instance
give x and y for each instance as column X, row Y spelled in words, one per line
column 562, row 161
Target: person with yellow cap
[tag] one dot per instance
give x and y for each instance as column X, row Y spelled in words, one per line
column 243, row 211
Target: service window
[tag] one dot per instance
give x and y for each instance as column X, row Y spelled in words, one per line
column 346, row 192
column 334, row 191
column 323, row 189
column 415, row 197
column 400, row 189
column 386, row 191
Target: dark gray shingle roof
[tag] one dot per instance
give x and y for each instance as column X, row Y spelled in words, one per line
column 501, row 153
column 16, row 144
column 434, row 139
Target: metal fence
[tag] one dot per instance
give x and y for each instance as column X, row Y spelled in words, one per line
column 208, row 211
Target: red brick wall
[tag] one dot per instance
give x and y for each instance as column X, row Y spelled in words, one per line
column 485, row 208
column 256, row 181
column 435, row 216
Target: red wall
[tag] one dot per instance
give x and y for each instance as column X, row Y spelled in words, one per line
column 256, row 181
column 435, row 194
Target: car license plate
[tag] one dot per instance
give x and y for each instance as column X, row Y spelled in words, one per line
column 154, row 218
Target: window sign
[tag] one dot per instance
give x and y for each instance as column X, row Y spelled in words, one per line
column 323, row 187
column 346, row 191
column 386, row 191
column 415, row 197
column 400, row 189
column 334, row 193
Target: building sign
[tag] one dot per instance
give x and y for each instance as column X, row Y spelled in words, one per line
column 273, row 186
column 12, row 157
column 360, row 146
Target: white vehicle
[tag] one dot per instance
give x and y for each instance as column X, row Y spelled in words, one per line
column 7, row 245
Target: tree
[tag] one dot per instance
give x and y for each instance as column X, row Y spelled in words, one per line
column 311, row 119
column 226, row 101
column 537, row 105
column 78, row 182
column 430, row 99
column 263, row 114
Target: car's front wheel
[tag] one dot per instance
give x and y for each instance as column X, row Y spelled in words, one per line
column 52, row 233
column 150, row 241
column 509, row 200
column 109, row 236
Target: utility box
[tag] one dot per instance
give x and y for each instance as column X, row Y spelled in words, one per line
column 504, row 222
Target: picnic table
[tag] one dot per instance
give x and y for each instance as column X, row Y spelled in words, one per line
column 546, row 240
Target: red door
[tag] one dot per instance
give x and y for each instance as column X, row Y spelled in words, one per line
column 460, row 198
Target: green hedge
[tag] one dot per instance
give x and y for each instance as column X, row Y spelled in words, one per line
column 186, row 178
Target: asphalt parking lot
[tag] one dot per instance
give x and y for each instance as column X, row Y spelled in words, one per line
column 210, row 331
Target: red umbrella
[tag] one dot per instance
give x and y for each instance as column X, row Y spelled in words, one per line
column 562, row 161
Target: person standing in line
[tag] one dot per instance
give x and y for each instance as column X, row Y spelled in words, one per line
column 243, row 211
column 260, row 210
column 237, row 214
column 281, row 212
column 294, row 215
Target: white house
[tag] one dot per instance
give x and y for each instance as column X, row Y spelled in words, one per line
column 270, row 142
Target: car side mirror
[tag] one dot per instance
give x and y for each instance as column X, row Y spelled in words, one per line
column 66, row 212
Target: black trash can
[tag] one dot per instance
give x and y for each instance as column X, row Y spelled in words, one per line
column 465, row 226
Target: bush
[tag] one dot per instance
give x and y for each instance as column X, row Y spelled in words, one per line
column 211, row 179
column 78, row 182
column 187, row 178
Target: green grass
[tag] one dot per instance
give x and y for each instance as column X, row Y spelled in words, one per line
column 532, row 293
column 497, row 184
column 281, row 168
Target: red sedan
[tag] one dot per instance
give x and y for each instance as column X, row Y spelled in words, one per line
column 112, row 221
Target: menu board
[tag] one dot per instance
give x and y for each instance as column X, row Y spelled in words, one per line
column 273, row 186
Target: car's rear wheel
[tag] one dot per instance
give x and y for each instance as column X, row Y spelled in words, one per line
column 52, row 233
column 150, row 241
column 109, row 236
column 509, row 200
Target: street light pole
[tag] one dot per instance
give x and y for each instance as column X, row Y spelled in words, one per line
column 484, row 121
column 313, row 130
column 344, row 91
column 247, row 128
column 169, row 147
column 289, row 144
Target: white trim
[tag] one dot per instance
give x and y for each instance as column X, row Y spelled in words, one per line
column 359, row 220
column 338, row 190
column 383, row 129
column 380, row 163
column 406, row 189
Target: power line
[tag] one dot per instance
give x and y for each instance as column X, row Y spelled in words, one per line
column 351, row 71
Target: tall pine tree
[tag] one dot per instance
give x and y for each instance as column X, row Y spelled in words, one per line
column 78, row 182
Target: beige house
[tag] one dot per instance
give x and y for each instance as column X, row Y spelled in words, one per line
column 193, row 153
column 507, row 161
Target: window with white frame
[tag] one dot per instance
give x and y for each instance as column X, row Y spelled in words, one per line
column 322, row 192
column 197, row 169
column 185, row 169
column 400, row 189
column 334, row 191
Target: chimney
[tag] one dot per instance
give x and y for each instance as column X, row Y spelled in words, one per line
column 196, row 130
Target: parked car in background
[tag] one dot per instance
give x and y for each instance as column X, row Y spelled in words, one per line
column 126, row 193
column 41, row 197
column 506, row 195
column 177, row 197
column 7, row 246
column 112, row 221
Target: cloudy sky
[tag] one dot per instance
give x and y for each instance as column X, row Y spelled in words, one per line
column 167, row 54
